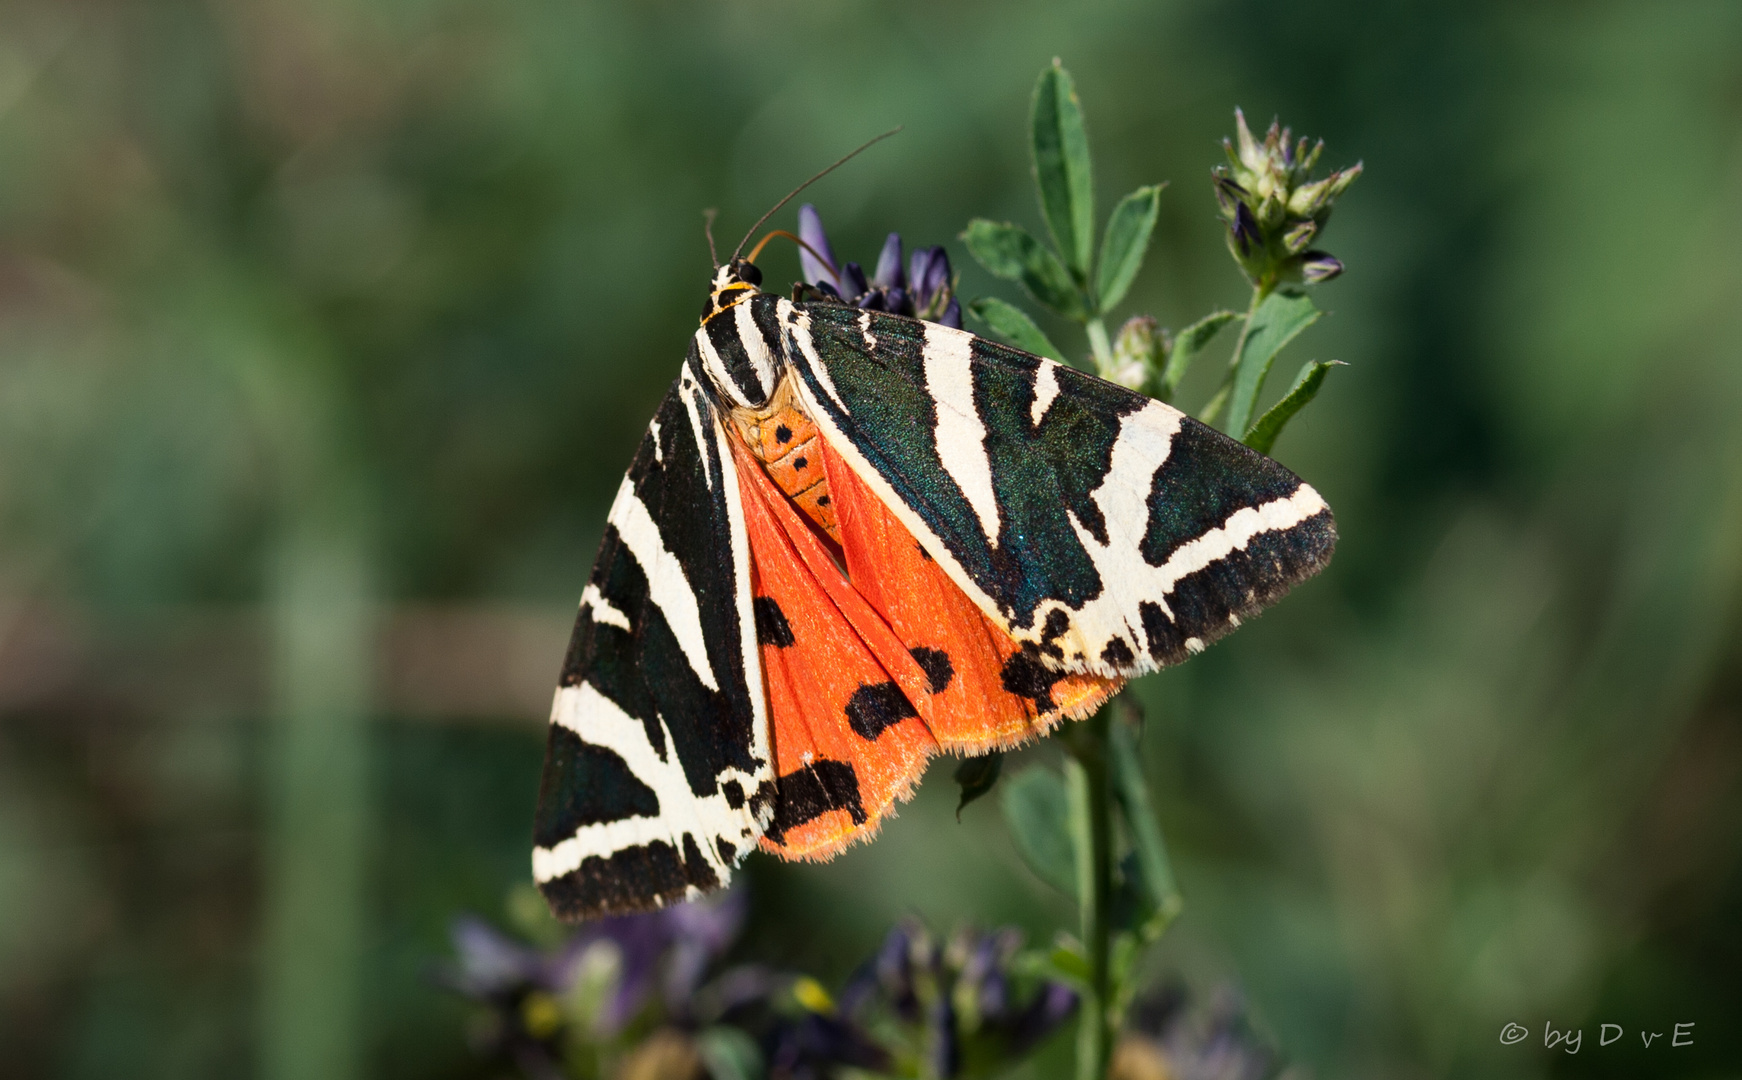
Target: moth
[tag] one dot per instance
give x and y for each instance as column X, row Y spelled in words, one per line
column 852, row 540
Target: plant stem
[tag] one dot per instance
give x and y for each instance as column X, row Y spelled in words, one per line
column 1101, row 346
column 1220, row 400
column 1092, row 814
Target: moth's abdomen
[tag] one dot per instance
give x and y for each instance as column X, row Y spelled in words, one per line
column 783, row 437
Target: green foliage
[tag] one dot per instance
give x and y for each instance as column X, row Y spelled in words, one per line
column 1187, row 344
column 1037, row 813
column 1065, row 826
column 976, row 776
column 1013, row 325
column 1062, row 280
column 1276, row 321
column 1127, row 240
column 1152, row 869
column 1010, row 252
column 1262, row 435
column 1275, row 209
column 729, row 1053
column 1061, row 168
column 1140, row 358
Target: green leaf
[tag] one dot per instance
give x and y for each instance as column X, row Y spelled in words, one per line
column 1263, row 434
column 1061, row 168
column 1037, row 813
column 1013, row 325
column 729, row 1054
column 1128, row 232
column 1278, row 321
column 1077, row 792
column 976, row 775
column 1063, row 962
column 1068, row 964
column 1188, row 344
column 1010, row 252
column 1154, row 869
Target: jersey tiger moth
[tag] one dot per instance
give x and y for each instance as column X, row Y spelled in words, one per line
column 851, row 540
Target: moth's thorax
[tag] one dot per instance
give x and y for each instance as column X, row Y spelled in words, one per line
column 739, row 342
column 783, row 437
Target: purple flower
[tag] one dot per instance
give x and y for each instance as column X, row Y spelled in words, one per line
column 958, row 1006
column 810, row 1048
column 669, row 949
column 490, row 963
column 1317, row 266
column 924, row 290
column 599, row 981
column 520, row 985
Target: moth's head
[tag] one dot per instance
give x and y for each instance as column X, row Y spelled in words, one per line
column 733, row 283
column 738, row 352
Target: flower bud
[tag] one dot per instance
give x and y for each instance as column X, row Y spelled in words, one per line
column 1273, row 206
column 1317, row 266
column 1134, row 353
column 1299, row 237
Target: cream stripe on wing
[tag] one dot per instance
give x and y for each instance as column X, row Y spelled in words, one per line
column 1046, row 388
column 755, row 346
column 603, row 610
column 960, row 434
column 667, row 585
column 799, row 323
column 1242, row 525
column 600, row 722
column 880, row 487
column 752, row 653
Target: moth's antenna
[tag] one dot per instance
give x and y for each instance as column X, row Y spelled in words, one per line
column 708, row 217
column 757, row 250
column 789, row 196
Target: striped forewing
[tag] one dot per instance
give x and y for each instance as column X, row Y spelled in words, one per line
column 658, row 775
column 1108, row 531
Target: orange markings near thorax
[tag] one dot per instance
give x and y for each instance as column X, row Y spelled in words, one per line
column 782, row 437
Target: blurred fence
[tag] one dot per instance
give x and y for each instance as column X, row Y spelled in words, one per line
column 482, row 664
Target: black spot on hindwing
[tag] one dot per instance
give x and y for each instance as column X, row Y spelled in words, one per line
column 936, row 665
column 771, row 625
column 808, row 793
column 1025, row 676
column 877, row 706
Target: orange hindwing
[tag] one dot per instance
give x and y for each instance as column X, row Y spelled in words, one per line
column 987, row 692
column 868, row 677
column 847, row 738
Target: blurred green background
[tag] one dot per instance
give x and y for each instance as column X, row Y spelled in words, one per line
column 328, row 326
